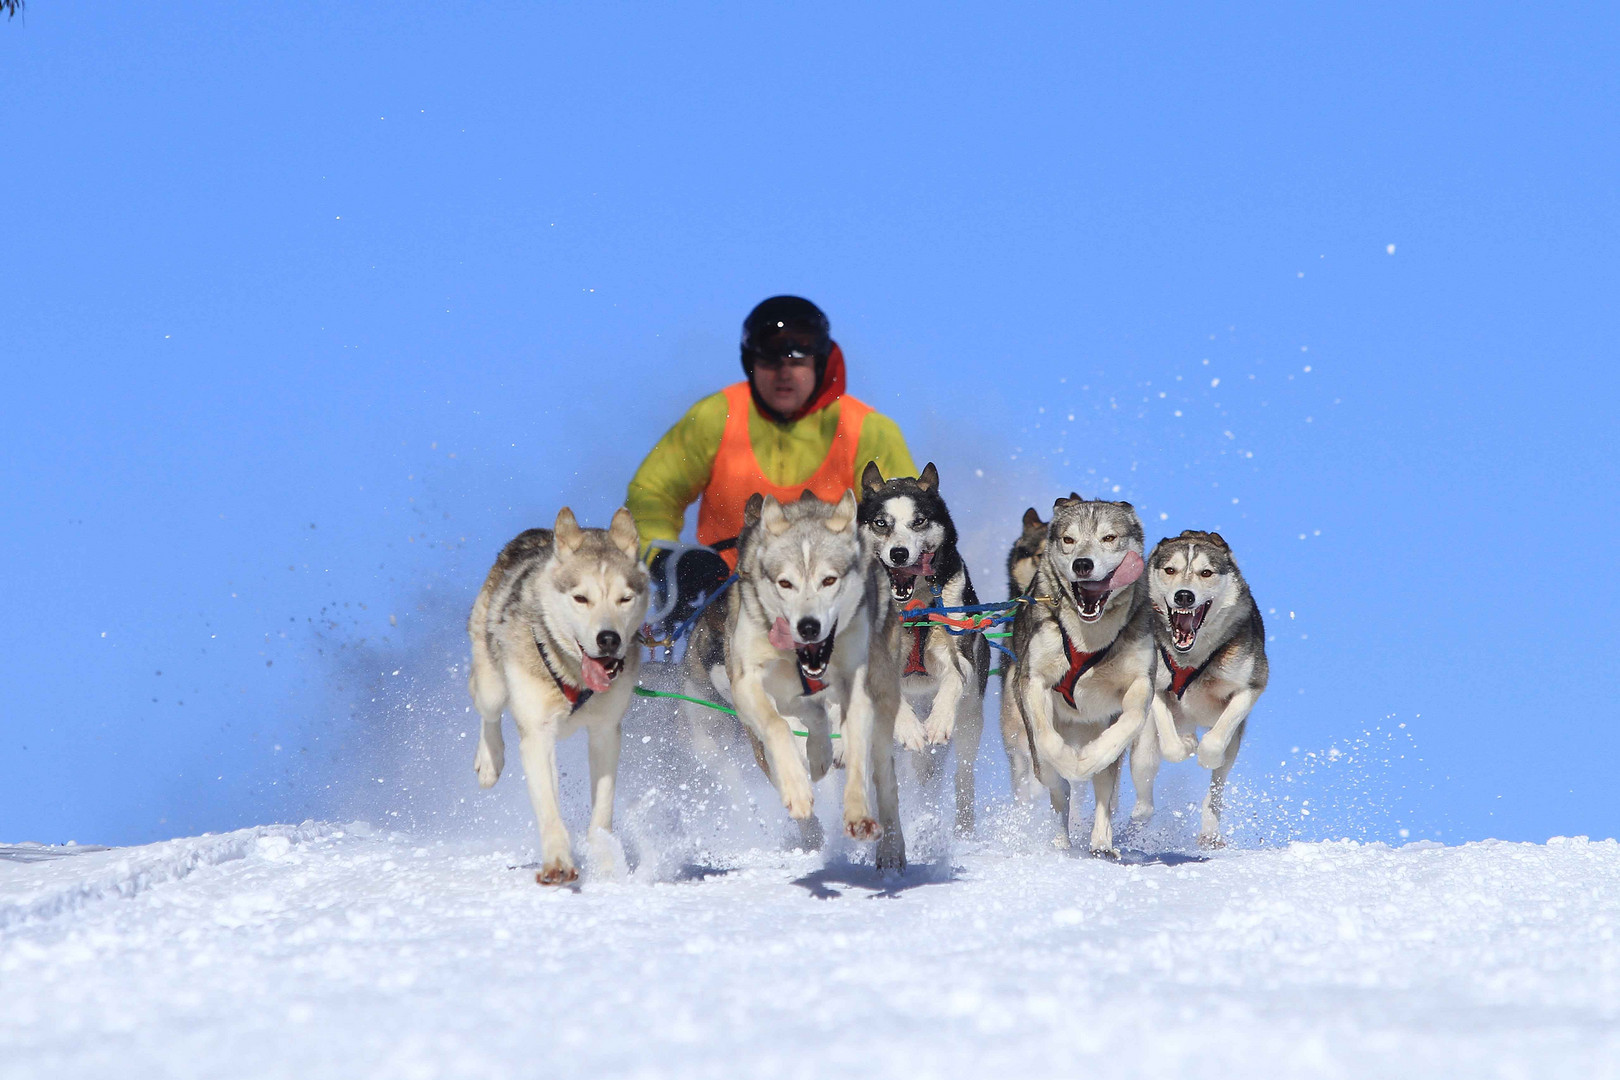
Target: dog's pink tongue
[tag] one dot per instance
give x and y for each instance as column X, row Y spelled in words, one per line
column 596, row 676
column 781, row 635
column 925, row 565
column 1128, row 570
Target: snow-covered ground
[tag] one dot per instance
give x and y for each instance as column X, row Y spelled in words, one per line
column 338, row 951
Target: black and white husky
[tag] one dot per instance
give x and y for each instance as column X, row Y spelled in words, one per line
column 1212, row 667
column 906, row 527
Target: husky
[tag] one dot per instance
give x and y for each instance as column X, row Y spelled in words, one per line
column 553, row 640
column 909, row 533
column 1211, row 643
column 1022, row 559
column 795, row 639
column 1082, row 682
column 1026, row 554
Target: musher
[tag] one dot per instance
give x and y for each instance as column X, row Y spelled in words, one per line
column 789, row 426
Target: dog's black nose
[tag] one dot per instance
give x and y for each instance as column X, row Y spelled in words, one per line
column 1184, row 598
column 1083, row 567
column 809, row 628
column 608, row 642
column 899, row 556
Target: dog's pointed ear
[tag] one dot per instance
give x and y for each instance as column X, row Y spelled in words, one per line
column 1075, row 496
column 928, row 479
column 1218, row 539
column 771, row 516
column 808, row 496
column 751, row 509
column 1126, row 505
column 843, row 514
column 623, row 532
column 1032, row 518
column 567, row 531
column 871, row 477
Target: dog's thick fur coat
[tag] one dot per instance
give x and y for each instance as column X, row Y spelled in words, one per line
column 553, row 635
column 1211, row 645
column 908, row 532
column 1081, row 685
column 795, row 638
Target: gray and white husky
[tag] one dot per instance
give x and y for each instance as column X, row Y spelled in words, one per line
column 1026, row 553
column 1082, row 683
column 553, row 640
column 908, row 530
column 795, row 640
column 1211, row 643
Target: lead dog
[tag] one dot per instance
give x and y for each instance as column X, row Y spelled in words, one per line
column 796, row 640
column 553, row 640
column 909, row 532
column 1082, row 683
column 1211, row 646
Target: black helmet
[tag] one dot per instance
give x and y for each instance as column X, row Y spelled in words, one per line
column 784, row 325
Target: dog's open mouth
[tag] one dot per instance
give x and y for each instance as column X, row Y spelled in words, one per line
column 903, row 579
column 902, row 583
column 1184, row 625
column 1090, row 597
column 813, row 659
column 600, row 671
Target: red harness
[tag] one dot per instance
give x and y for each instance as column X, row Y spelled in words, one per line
column 576, row 695
column 1079, row 664
column 811, row 686
column 1182, row 677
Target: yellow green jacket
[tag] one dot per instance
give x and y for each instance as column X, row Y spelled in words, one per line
column 676, row 472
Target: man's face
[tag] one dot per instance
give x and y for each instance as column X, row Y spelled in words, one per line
column 785, row 383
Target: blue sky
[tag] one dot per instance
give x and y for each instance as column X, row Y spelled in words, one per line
column 308, row 309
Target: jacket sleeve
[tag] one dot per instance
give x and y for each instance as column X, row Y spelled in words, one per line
column 677, row 470
column 882, row 442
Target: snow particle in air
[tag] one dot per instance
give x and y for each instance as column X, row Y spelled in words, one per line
column 1215, row 381
column 1163, row 516
column 1389, row 249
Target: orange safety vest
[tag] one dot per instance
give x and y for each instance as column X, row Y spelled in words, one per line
column 736, row 474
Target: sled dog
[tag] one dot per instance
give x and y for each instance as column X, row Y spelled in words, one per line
column 909, row 533
column 1212, row 667
column 1082, row 685
column 553, row 640
column 794, row 645
column 1022, row 560
column 1025, row 554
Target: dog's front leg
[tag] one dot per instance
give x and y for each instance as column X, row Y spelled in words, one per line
column 604, row 739
column 1107, row 747
column 1212, row 747
column 1053, row 752
column 1105, row 785
column 788, row 772
column 1209, row 827
column 858, row 728
column 537, row 745
column 945, row 659
column 1173, row 745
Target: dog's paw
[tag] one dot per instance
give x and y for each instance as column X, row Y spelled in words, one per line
column 488, row 764
column 797, row 795
column 862, row 828
column 557, row 872
column 1141, row 813
column 1211, row 754
column 908, row 730
column 1105, row 853
column 1211, row 841
column 937, row 734
column 891, row 852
